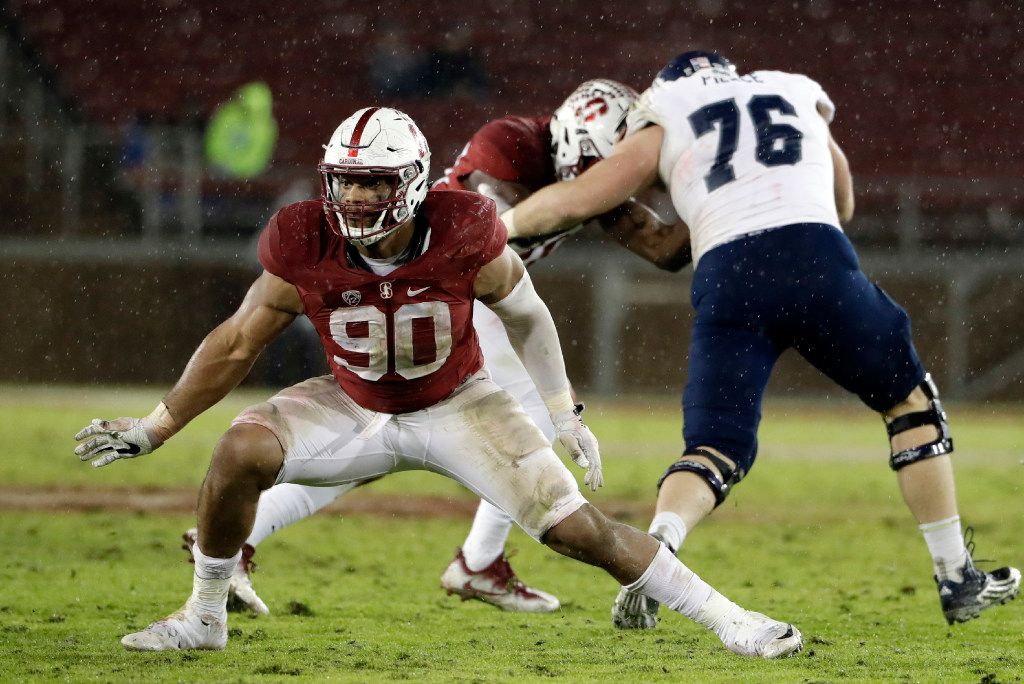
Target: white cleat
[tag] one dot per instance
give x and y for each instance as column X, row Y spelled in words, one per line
column 186, row 629
column 242, row 597
column 758, row 636
column 633, row 610
column 496, row 584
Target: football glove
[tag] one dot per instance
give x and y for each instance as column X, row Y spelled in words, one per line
column 581, row 444
column 115, row 439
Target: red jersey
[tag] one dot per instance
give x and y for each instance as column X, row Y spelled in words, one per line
column 514, row 149
column 400, row 342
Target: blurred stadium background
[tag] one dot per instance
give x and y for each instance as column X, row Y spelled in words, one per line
column 121, row 245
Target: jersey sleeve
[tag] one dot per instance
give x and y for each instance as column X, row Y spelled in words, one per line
column 507, row 150
column 643, row 113
column 821, row 100
column 481, row 234
column 270, row 248
column 290, row 239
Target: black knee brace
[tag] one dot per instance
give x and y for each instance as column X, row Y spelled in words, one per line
column 933, row 416
column 719, row 487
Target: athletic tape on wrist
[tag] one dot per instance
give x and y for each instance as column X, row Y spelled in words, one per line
column 510, row 224
column 162, row 423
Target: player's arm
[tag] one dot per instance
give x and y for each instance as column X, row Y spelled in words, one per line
column 638, row 229
column 221, row 361
column 630, row 168
column 843, row 177
column 505, row 194
column 843, row 182
column 505, row 287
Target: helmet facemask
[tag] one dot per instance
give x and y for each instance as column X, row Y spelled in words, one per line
column 366, row 222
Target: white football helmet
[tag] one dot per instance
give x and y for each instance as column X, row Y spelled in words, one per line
column 382, row 144
column 587, row 125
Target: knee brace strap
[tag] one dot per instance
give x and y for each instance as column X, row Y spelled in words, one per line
column 719, row 487
column 934, row 415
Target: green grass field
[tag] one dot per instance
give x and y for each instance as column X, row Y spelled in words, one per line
column 817, row 534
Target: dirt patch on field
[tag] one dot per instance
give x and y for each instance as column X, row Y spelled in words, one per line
column 79, row 500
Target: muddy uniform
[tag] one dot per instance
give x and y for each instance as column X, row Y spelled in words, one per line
column 408, row 390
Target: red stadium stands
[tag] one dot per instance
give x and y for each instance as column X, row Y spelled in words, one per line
column 920, row 89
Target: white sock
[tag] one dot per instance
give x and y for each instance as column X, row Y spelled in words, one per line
column 284, row 504
column 487, row 537
column 946, row 544
column 670, row 528
column 674, row 585
column 210, row 581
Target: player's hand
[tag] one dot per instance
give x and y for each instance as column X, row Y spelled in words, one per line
column 115, row 439
column 581, row 444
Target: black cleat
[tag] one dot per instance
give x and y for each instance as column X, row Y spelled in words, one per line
column 964, row 600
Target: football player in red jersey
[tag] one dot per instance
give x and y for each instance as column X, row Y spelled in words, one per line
column 387, row 271
column 506, row 160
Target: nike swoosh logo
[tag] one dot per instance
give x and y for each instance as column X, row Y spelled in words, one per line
column 412, row 292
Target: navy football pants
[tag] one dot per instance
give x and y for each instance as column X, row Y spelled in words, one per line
column 798, row 286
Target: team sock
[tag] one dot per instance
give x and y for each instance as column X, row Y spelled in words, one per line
column 669, row 528
column 946, row 544
column 284, row 504
column 674, row 585
column 210, row 581
column 487, row 537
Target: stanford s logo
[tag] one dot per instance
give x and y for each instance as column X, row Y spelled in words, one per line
column 385, row 290
column 592, row 109
column 351, row 297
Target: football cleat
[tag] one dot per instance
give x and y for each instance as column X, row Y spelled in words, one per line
column 978, row 590
column 496, row 584
column 634, row 611
column 184, row 630
column 242, row 597
column 758, row 636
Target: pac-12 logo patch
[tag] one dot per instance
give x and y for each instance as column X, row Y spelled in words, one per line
column 385, row 290
column 351, row 297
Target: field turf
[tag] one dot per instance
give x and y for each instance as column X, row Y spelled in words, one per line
column 817, row 535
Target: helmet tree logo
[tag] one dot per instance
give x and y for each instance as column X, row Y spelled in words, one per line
column 385, row 290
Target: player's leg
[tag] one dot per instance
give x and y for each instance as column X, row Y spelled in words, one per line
column 480, row 569
column 728, row 370
column 245, row 462
column 921, row 444
column 483, row 438
column 279, row 506
column 645, row 567
column 862, row 340
column 311, row 433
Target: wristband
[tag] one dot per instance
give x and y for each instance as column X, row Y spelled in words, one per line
column 559, row 402
column 510, row 223
column 161, row 423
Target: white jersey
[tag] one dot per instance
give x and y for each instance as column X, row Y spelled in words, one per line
column 742, row 153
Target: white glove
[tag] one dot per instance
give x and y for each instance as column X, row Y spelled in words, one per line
column 115, row 439
column 581, row 444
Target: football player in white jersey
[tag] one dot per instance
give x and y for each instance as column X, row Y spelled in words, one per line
column 753, row 169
